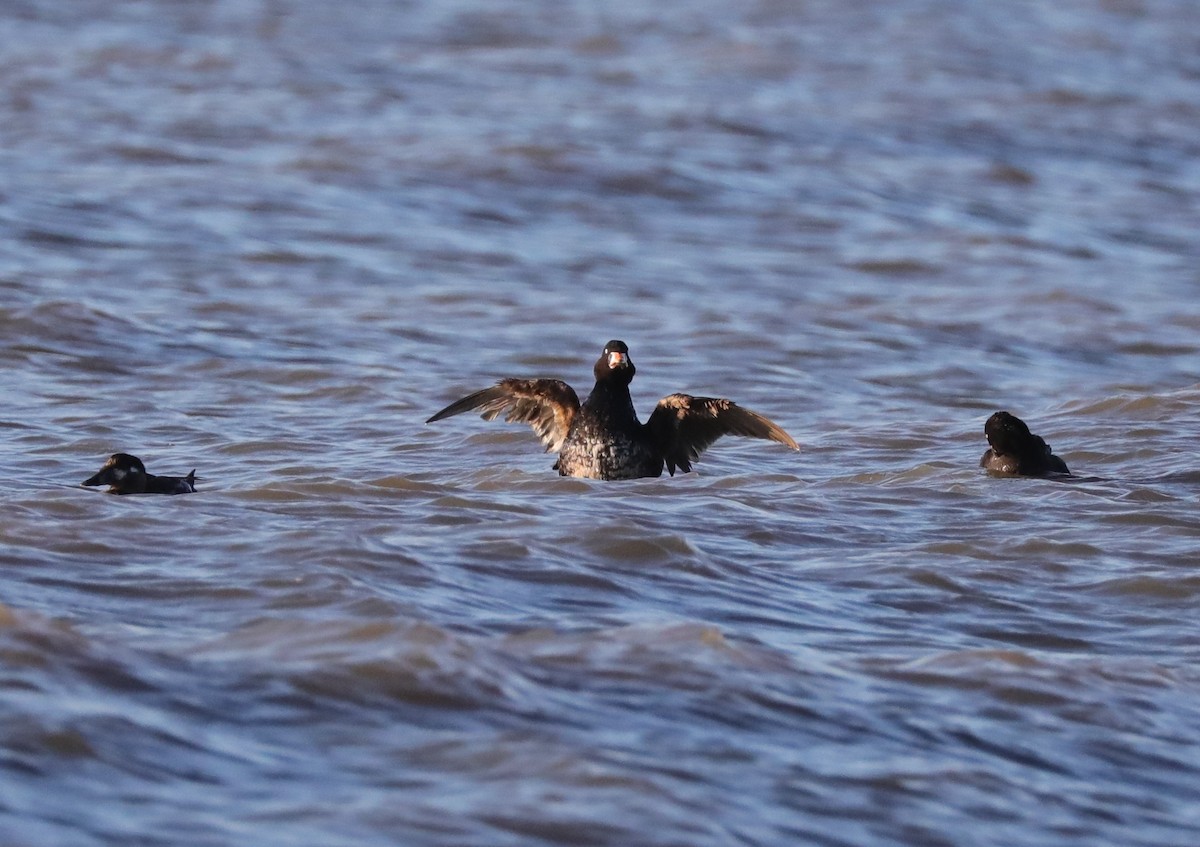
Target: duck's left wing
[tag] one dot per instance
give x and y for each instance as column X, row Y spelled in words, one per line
column 683, row 427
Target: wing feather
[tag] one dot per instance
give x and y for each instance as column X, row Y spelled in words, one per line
column 683, row 427
column 547, row 405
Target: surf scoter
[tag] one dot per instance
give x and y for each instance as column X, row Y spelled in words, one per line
column 602, row 438
column 125, row 474
column 1016, row 451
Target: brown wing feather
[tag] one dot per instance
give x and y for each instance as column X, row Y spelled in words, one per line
column 684, row 427
column 547, row 405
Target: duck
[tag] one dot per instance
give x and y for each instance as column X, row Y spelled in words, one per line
column 602, row 437
column 1015, row 451
column 125, row 474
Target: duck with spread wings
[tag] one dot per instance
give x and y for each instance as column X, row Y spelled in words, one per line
column 602, row 438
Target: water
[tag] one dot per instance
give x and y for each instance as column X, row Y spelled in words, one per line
column 267, row 240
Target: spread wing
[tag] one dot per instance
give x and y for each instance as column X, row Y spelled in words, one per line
column 683, row 427
column 547, row 405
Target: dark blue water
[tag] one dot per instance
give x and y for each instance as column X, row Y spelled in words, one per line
column 268, row 240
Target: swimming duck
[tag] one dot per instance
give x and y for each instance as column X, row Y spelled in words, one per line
column 602, row 438
column 125, row 474
column 1016, row 451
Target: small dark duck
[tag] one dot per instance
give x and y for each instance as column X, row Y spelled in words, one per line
column 1015, row 451
column 125, row 474
column 603, row 438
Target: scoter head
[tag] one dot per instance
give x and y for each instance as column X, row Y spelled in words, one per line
column 614, row 364
column 123, row 473
column 1008, row 434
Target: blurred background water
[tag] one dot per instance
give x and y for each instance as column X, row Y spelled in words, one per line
column 268, row 239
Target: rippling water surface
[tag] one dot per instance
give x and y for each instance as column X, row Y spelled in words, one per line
column 267, row 240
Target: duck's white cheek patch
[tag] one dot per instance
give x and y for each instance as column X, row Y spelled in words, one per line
column 119, row 474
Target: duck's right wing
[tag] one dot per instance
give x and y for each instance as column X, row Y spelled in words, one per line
column 547, row 405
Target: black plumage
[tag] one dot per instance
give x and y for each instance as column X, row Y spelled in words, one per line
column 125, row 474
column 602, row 438
column 1016, row 451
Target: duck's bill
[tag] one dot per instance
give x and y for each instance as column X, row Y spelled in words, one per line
column 103, row 477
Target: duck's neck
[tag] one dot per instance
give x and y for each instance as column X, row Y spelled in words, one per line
column 611, row 402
